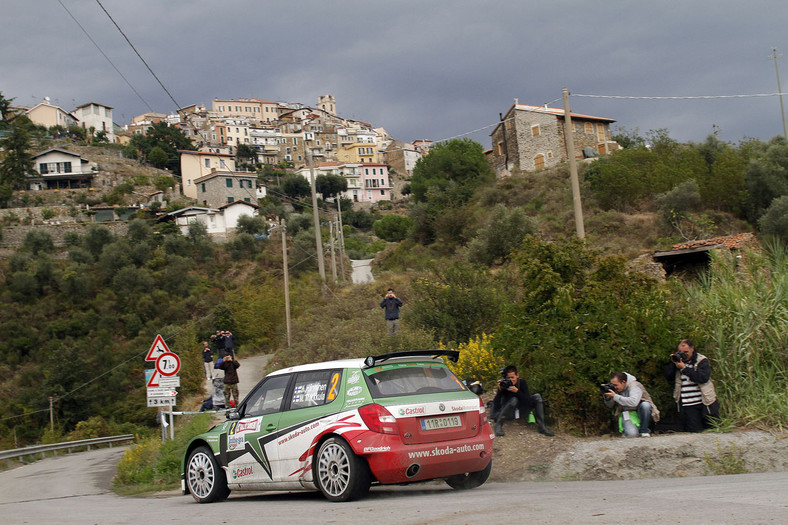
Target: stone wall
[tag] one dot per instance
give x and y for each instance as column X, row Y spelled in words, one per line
column 14, row 235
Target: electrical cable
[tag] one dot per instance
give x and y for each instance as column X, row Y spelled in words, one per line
column 177, row 106
column 695, row 97
column 105, row 56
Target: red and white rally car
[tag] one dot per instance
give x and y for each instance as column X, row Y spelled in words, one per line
column 340, row 426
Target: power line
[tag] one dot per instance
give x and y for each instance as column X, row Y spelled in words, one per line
column 753, row 95
column 105, row 56
column 177, row 106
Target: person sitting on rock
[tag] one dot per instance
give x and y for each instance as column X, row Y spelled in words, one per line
column 513, row 395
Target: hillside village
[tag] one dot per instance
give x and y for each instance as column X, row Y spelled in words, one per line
column 235, row 138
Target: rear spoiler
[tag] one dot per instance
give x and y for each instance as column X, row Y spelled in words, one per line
column 372, row 360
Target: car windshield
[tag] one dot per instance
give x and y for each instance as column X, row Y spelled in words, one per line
column 402, row 379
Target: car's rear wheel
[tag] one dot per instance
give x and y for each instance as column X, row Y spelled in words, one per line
column 471, row 480
column 205, row 479
column 341, row 475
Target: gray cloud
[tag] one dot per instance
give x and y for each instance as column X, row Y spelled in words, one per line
column 420, row 69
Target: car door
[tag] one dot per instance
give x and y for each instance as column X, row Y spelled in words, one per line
column 313, row 404
column 250, row 442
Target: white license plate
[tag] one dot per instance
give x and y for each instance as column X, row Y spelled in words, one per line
column 437, row 423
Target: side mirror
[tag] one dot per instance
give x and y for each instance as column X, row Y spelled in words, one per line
column 232, row 415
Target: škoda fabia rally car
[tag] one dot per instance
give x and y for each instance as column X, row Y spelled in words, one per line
column 340, row 426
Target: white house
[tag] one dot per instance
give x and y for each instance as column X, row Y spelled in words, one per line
column 217, row 222
column 58, row 168
column 96, row 116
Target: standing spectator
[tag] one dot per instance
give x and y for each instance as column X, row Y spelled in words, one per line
column 230, row 367
column 392, row 304
column 693, row 390
column 229, row 342
column 219, row 344
column 207, row 360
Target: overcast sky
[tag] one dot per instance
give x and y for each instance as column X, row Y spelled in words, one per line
column 433, row 69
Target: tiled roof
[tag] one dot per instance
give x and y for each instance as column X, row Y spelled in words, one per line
column 729, row 241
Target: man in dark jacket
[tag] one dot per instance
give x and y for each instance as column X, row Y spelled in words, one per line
column 392, row 304
column 230, row 367
column 513, row 395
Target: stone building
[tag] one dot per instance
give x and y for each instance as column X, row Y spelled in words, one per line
column 224, row 187
column 531, row 138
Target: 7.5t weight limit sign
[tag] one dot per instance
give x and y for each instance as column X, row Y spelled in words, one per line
column 168, row 364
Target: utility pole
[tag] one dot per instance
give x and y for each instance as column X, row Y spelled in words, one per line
column 287, row 281
column 51, row 414
column 775, row 56
column 333, row 256
column 321, row 265
column 569, row 139
column 341, row 238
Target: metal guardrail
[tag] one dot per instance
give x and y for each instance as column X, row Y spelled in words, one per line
column 67, row 445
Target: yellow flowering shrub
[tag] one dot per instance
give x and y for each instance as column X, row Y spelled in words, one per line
column 477, row 361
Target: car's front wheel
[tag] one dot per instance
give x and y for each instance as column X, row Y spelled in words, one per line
column 341, row 475
column 470, row 480
column 205, row 479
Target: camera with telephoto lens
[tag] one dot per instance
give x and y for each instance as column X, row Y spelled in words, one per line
column 607, row 387
column 678, row 356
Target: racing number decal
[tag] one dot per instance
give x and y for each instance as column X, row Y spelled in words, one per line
column 332, row 392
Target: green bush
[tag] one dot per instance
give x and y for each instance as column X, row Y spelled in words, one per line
column 393, row 228
column 775, row 221
column 579, row 317
column 47, row 213
column 501, row 234
column 457, row 301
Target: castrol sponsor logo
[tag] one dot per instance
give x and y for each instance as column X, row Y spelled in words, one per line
column 247, row 426
column 353, row 391
column 242, row 472
column 412, row 411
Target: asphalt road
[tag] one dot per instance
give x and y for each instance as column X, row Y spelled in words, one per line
column 362, row 272
column 75, row 489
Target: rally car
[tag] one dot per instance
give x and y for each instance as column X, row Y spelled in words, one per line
column 340, row 426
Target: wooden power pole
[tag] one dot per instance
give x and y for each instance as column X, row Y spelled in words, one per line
column 569, row 139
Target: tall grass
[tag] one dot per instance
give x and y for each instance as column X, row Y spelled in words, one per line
column 743, row 307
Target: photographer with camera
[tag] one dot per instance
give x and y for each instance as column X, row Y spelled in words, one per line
column 627, row 397
column 392, row 304
column 693, row 389
column 513, row 395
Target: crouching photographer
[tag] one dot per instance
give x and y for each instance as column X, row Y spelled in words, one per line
column 513, row 395
column 632, row 404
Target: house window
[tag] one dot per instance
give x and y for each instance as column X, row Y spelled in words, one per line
column 221, row 108
column 247, row 109
column 207, row 163
column 228, row 183
column 500, row 148
column 247, row 199
column 539, row 162
column 256, row 109
column 383, row 192
column 588, row 127
column 237, row 108
column 535, row 130
column 600, row 132
column 230, row 199
column 295, row 141
column 222, row 164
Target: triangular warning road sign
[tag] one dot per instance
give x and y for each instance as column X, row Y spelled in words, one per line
column 157, row 348
column 153, row 381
